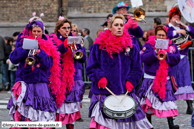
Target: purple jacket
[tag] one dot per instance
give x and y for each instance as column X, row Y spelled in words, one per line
column 151, row 62
column 170, row 36
column 26, row 74
column 117, row 70
column 77, row 63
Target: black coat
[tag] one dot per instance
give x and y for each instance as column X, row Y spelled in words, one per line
column 2, row 49
column 7, row 52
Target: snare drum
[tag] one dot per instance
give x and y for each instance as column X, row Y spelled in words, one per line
column 114, row 109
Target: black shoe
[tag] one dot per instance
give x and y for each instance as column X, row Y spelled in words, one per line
column 189, row 107
column 150, row 120
column 171, row 124
column 80, row 120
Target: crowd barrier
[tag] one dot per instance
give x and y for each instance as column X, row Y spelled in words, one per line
column 87, row 80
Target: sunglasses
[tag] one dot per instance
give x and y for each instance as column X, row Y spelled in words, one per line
column 73, row 30
column 161, row 35
column 67, row 28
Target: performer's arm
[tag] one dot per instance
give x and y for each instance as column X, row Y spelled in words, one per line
column 133, row 28
column 44, row 59
column 19, row 53
column 137, row 32
column 93, row 69
column 148, row 56
column 190, row 29
column 136, row 69
column 173, row 58
column 172, row 33
column 62, row 49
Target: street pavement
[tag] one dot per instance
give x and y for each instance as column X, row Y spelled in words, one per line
column 183, row 119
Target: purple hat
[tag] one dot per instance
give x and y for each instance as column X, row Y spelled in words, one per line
column 120, row 5
column 35, row 24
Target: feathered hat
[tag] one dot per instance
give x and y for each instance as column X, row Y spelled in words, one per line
column 174, row 11
column 120, row 5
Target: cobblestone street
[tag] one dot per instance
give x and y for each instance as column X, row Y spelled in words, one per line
column 183, row 119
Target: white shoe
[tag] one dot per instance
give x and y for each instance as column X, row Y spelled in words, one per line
column 9, row 92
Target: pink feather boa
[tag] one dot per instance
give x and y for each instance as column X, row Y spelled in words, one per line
column 51, row 50
column 113, row 44
column 68, row 71
column 159, row 83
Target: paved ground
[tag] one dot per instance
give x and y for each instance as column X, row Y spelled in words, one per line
column 183, row 120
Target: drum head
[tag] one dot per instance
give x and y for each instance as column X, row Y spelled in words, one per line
column 114, row 104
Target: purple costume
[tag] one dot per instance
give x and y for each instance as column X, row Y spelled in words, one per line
column 35, row 101
column 181, row 72
column 137, row 33
column 150, row 101
column 117, row 70
column 70, row 110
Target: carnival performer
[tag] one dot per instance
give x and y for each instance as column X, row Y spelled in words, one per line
column 72, row 87
column 130, row 24
column 32, row 97
column 181, row 72
column 114, row 63
column 74, row 31
column 156, row 92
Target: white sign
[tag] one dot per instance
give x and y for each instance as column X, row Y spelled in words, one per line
column 73, row 39
column 30, row 44
column 136, row 3
column 161, row 44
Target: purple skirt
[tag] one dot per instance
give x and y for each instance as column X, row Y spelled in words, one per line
column 35, row 102
column 146, row 84
column 76, row 95
column 181, row 73
column 152, row 104
column 73, row 99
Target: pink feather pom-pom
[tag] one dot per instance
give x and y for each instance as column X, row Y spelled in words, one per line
column 34, row 14
column 171, row 49
column 42, row 15
column 165, row 28
column 61, row 18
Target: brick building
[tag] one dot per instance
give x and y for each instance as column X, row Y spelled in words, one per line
column 86, row 13
column 21, row 10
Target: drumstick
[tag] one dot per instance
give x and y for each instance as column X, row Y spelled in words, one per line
column 124, row 96
column 111, row 93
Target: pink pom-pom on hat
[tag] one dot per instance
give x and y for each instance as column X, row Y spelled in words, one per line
column 61, row 18
column 42, row 15
column 34, row 14
column 165, row 28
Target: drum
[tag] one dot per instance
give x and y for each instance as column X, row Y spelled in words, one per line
column 113, row 108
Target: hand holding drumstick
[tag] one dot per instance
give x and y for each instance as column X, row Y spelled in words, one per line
column 102, row 83
column 129, row 87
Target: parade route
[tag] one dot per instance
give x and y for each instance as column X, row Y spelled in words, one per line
column 183, row 119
